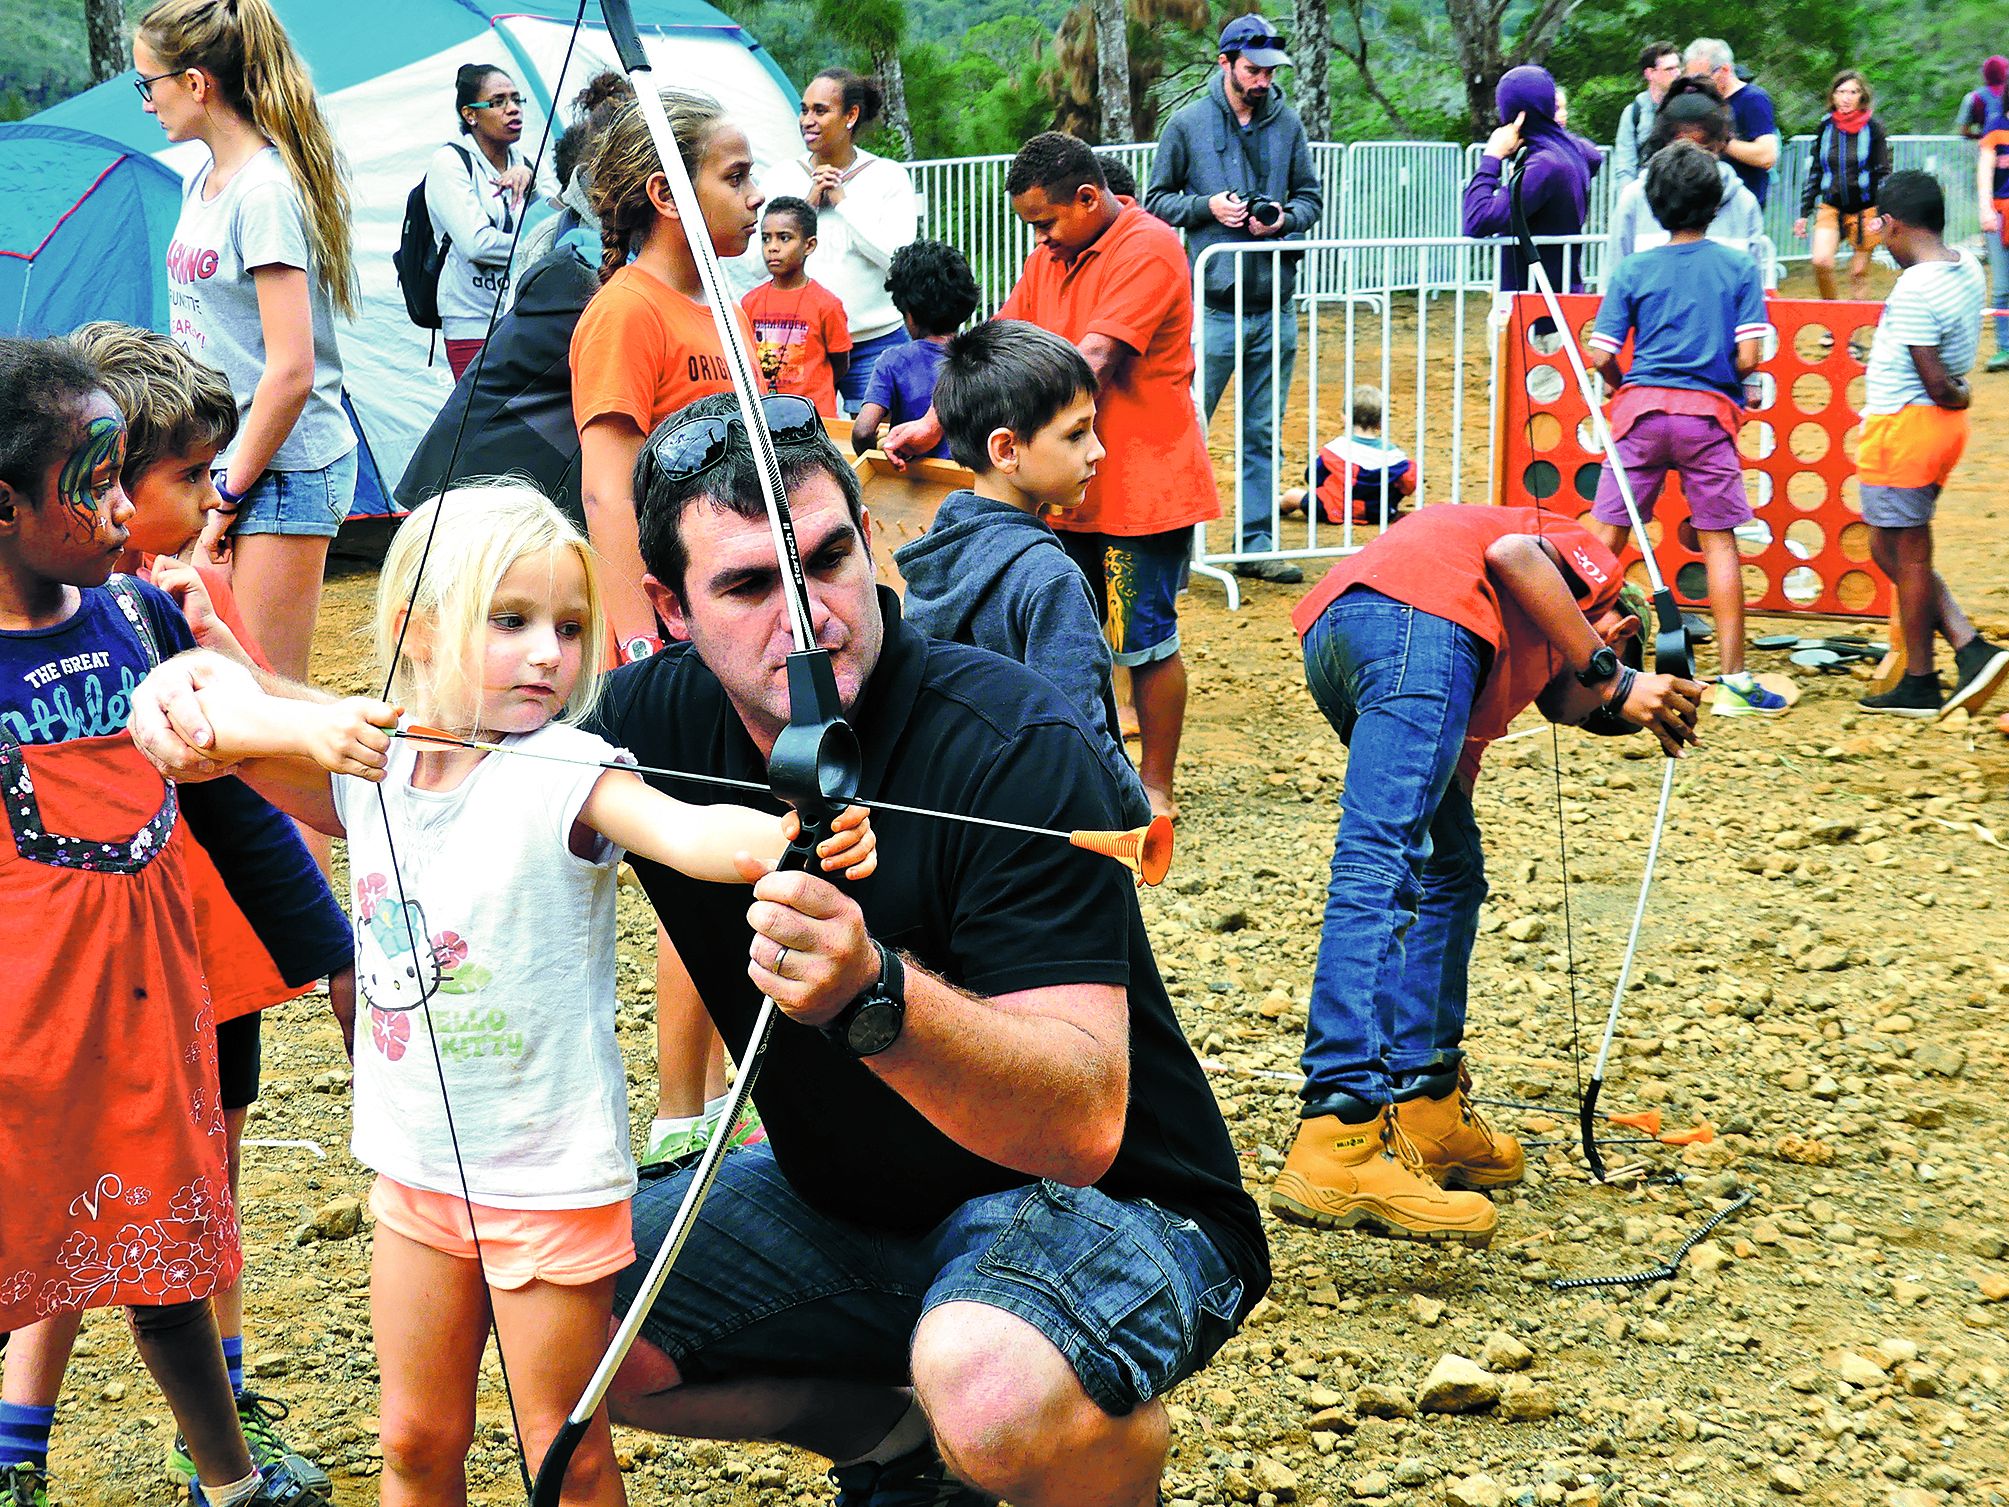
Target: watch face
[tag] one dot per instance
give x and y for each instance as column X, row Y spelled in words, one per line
column 875, row 1027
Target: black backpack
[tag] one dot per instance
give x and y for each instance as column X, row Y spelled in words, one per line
column 419, row 257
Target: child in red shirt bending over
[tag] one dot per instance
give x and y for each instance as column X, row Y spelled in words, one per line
column 1420, row 649
column 803, row 340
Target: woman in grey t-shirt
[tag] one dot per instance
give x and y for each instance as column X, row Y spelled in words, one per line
column 260, row 264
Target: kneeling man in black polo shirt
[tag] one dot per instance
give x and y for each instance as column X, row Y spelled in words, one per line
column 996, row 1240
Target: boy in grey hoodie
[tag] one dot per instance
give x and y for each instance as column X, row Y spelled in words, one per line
column 1017, row 406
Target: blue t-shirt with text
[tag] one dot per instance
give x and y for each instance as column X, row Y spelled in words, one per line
column 1686, row 306
column 903, row 383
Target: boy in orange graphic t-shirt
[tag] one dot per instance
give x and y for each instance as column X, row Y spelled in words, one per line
column 802, row 338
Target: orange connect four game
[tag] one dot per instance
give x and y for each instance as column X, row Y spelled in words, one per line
column 1807, row 548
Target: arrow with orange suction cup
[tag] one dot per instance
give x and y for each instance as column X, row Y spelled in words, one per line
column 1145, row 851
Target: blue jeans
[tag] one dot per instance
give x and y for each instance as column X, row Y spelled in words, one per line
column 864, row 356
column 300, row 502
column 1408, row 876
column 1134, row 1296
column 1261, row 372
column 1998, row 285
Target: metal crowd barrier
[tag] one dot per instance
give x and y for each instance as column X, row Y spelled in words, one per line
column 1413, row 316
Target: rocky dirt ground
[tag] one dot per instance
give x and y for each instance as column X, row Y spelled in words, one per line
column 1823, row 980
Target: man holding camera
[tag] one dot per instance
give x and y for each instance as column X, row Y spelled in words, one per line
column 1235, row 165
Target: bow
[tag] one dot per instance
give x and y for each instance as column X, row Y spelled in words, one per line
column 1670, row 657
column 814, row 764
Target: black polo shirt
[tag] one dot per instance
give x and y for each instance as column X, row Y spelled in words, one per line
column 962, row 729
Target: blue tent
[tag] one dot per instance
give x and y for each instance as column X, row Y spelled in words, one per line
column 384, row 70
column 78, row 201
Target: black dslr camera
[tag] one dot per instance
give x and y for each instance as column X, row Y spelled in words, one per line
column 1262, row 211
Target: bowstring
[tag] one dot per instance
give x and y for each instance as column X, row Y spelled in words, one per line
column 426, row 987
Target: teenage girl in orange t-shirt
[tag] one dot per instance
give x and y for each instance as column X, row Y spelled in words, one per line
column 644, row 348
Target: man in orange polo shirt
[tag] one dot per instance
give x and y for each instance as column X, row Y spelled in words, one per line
column 1113, row 280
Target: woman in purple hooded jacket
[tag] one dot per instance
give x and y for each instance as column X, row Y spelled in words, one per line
column 1555, row 187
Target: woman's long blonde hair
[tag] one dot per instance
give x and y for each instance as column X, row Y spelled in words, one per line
column 617, row 177
column 241, row 45
column 484, row 527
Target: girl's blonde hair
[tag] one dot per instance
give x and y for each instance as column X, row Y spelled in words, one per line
column 617, row 177
column 483, row 528
column 241, row 45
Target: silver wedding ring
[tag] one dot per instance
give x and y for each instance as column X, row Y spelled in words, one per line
column 779, row 958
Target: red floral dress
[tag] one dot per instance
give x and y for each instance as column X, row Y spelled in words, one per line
column 114, row 1188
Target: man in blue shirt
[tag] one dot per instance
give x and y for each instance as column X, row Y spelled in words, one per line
column 1756, row 150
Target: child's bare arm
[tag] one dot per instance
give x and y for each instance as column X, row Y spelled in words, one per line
column 1749, row 354
column 1527, row 569
column 1945, row 389
column 840, row 363
column 1606, row 366
column 865, row 428
column 701, row 841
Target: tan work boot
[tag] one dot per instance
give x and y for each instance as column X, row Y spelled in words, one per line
column 1368, row 1177
column 1459, row 1149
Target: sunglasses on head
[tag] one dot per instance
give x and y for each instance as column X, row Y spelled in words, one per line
column 696, row 445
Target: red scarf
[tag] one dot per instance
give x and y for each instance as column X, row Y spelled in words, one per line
column 1850, row 121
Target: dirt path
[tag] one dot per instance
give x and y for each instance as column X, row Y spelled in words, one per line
column 1823, row 978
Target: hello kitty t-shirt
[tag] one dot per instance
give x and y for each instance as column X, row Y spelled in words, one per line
column 492, row 924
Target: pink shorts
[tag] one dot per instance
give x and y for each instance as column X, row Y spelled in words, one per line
column 568, row 1247
column 1698, row 449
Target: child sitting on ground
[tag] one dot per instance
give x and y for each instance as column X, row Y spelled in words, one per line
column 1914, row 428
column 931, row 286
column 1358, row 472
column 113, row 1139
column 1695, row 312
column 802, row 340
column 1017, row 404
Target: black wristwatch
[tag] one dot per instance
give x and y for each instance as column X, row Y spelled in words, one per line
column 873, row 1021
column 1603, row 665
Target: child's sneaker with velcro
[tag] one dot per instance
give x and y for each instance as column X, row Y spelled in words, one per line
column 1741, row 695
column 24, row 1485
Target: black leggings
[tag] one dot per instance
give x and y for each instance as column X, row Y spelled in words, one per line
column 181, row 1348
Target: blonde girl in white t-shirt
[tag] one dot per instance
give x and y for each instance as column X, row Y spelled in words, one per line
column 261, row 264
column 484, row 914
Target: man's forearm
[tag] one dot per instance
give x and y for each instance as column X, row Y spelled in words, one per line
column 1036, row 1081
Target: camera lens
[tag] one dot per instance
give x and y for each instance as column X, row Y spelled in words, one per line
column 1265, row 211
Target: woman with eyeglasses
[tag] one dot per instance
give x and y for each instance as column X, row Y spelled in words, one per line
column 260, row 265
column 475, row 193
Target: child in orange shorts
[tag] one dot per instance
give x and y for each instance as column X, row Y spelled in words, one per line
column 490, row 1096
column 1914, row 429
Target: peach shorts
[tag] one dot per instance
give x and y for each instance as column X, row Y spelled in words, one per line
column 568, row 1247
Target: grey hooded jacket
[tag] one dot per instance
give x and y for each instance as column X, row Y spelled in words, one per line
column 1204, row 151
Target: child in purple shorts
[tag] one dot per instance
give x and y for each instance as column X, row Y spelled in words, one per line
column 1696, row 313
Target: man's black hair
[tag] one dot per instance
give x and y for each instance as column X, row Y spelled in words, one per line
column 799, row 210
column 1005, row 374
column 1056, row 162
column 1653, row 52
column 932, row 285
column 43, row 384
column 1684, row 187
column 1915, row 199
column 731, row 486
column 1116, row 175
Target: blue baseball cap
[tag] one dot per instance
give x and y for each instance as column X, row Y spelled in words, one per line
column 1255, row 39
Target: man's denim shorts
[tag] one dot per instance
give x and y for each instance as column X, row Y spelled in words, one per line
column 300, row 502
column 1136, row 1298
